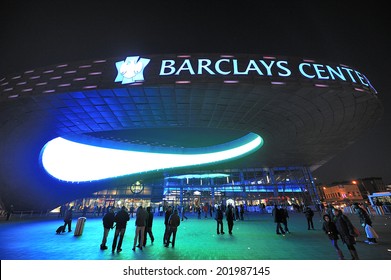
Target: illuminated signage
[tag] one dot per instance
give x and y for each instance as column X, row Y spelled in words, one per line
column 137, row 187
column 131, row 69
column 205, row 66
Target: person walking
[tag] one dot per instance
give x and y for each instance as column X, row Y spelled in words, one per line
column 68, row 219
column 121, row 219
column 331, row 230
column 166, row 226
column 131, row 210
column 148, row 227
column 329, row 211
column 198, row 209
column 99, row 210
column 219, row 220
column 236, row 213
column 161, row 210
column 108, row 223
column 365, row 222
column 346, row 231
column 141, row 221
column 241, row 212
column 184, row 209
column 211, row 210
column 278, row 218
column 85, row 210
column 284, row 218
column 205, row 209
column 104, row 209
column 174, row 221
column 230, row 217
column 309, row 214
column 10, row 211
column 62, row 211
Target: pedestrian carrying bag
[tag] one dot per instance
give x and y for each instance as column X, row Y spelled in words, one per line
column 353, row 231
column 356, row 232
column 370, row 231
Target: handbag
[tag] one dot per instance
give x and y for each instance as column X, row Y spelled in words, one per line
column 356, row 232
column 370, row 231
column 353, row 231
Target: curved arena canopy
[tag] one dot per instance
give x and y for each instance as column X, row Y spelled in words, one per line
column 306, row 111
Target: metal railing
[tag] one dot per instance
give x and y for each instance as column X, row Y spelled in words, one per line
column 25, row 214
column 372, row 210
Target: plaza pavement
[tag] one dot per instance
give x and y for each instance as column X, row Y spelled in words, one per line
column 252, row 239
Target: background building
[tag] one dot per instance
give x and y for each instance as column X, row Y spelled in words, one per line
column 349, row 192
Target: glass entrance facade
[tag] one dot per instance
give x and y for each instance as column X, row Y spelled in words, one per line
column 254, row 188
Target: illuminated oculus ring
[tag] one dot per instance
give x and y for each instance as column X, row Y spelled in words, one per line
column 78, row 162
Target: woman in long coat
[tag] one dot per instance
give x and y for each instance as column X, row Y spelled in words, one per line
column 331, row 230
column 346, row 231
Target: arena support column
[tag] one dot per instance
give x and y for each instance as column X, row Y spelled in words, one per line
column 212, row 191
column 273, row 182
column 311, row 187
column 181, row 194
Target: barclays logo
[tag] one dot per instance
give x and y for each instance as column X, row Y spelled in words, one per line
column 131, row 69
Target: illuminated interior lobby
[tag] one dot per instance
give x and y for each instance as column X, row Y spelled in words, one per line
column 250, row 187
column 155, row 129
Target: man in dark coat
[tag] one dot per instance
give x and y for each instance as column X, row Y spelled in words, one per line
column 230, row 217
column 121, row 219
column 241, row 211
column 166, row 218
column 284, row 218
column 174, row 221
column 148, row 227
column 278, row 219
column 68, row 219
column 346, row 231
column 309, row 214
column 219, row 220
column 141, row 221
column 108, row 223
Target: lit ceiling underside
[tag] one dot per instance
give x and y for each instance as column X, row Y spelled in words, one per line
column 77, row 162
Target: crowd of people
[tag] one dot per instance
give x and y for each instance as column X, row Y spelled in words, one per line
column 144, row 223
column 336, row 224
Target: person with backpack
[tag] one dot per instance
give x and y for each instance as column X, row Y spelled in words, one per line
column 173, row 222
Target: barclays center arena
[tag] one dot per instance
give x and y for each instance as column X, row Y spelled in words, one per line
column 180, row 129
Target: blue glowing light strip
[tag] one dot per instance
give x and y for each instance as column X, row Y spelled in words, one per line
column 199, row 176
column 71, row 161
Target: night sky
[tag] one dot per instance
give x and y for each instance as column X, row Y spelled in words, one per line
column 41, row 33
